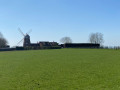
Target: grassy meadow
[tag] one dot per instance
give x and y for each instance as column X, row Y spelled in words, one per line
column 62, row 69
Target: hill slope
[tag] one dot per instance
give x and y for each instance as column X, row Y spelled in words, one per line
column 63, row 69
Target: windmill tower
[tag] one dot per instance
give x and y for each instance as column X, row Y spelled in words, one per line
column 26, row 39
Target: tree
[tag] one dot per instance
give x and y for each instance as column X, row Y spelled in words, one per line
column 96, row 38
column 66, row 40
column 3, row 41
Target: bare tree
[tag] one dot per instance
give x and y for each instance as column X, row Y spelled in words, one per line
column 66, row 40
column 96, row 38
column 3, row 41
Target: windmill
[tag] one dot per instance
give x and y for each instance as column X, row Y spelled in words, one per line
column 26, row 38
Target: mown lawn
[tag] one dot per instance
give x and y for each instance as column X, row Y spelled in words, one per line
column 63, row 69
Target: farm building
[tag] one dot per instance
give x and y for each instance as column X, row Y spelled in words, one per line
column 39, row 45
column 80, row 45
column 43, row 44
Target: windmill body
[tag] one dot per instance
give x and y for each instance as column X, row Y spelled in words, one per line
column 26, row 39
column 27, row 42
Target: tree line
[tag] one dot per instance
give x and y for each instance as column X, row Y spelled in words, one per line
column 3, row 41
column 94, row 38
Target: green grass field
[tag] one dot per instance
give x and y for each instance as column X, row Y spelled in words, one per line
column 63, row 69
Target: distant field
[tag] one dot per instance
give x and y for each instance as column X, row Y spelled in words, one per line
column 63, row 69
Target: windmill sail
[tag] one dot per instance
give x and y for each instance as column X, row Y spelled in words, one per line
column 26, row 39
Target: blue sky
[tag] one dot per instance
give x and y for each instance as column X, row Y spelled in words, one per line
column 50, row 20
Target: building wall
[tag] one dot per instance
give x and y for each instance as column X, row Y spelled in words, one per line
column 80, row 45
